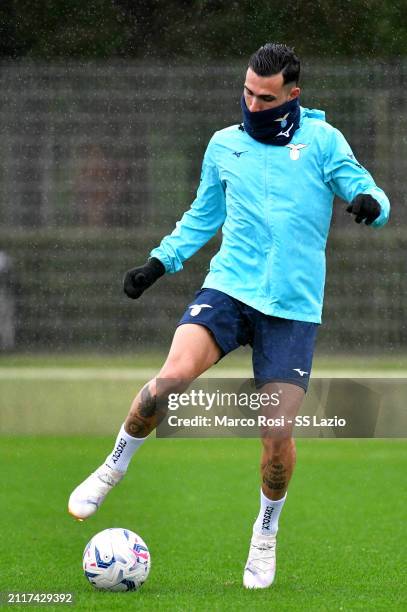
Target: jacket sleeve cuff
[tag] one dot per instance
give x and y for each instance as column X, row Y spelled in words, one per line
column 381, row 197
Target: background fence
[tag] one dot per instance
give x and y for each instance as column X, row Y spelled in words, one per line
column 98, row 161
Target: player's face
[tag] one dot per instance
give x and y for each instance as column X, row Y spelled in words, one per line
column 262, row 93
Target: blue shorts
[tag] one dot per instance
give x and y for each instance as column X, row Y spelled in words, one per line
column 282, row 348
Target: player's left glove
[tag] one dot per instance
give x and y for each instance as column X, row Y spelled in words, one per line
column 365, row 208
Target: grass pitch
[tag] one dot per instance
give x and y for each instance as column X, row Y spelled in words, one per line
column 341, row 544
column 194, row 502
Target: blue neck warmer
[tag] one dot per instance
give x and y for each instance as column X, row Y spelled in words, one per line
column 274, row 126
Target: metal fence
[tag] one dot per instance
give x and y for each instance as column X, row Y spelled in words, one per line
column 98, row 161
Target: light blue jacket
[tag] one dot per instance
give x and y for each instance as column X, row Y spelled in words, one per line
column 274, row 204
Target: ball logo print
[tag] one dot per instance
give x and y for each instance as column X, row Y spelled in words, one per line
column 116, row 560
column 196, row 309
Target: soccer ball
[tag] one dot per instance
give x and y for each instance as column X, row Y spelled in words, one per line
column 116, row 560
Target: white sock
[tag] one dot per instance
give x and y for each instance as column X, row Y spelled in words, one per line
column 123, row 450
column 267, row 521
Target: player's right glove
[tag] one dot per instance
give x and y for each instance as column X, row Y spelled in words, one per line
column 137, row 280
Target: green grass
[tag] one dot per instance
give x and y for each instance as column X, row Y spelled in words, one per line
column 340, row 544
column 341, row 533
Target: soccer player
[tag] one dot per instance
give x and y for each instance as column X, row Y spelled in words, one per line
column 269, row 183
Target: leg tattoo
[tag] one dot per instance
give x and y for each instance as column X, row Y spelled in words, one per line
column 137, row 426
column 274, row 476
column 145, row 413
column 148, row 403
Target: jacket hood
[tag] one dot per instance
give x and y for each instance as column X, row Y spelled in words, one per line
column 312, row 113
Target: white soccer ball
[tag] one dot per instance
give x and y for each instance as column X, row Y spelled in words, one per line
column 116, row 560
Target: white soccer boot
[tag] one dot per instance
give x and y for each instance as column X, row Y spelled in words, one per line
column 261, row 563
column 87, row 497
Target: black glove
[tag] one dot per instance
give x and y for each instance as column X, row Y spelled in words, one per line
column 365, row 208
column 137, row 280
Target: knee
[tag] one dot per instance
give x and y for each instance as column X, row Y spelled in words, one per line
column 277, row 447
column 168, row 381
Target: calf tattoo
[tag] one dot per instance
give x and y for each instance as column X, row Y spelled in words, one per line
column 148, row 403
column 137, row 426
column 142, row 419
column 146, row 413
column 274, row 475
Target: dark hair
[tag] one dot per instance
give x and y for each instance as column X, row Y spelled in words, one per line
column 273, row 58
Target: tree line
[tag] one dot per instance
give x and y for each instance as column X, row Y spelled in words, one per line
column 199, row 29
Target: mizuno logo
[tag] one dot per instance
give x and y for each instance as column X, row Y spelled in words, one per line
column 300, row 372
column 196, row 308
column 238, row 153
column 354, row 159
column 287, row 132
column 295, row 150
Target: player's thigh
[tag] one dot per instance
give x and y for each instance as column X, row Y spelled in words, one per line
column 283, row 350
column 193, row 351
